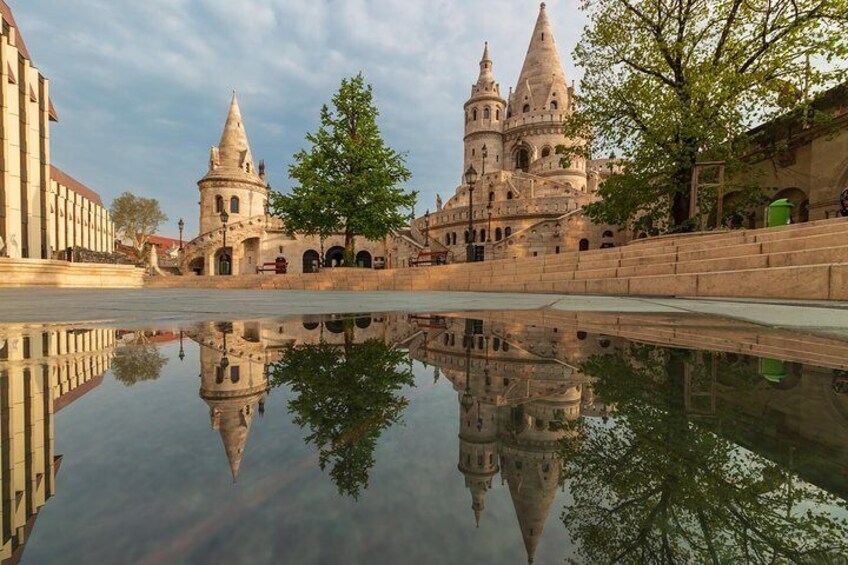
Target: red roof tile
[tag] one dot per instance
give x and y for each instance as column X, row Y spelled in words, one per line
column 70, row 182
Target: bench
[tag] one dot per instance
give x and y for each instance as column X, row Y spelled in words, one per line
column 429, row 258
column 276, row 267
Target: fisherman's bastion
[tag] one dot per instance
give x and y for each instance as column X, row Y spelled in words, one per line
column 525, row 202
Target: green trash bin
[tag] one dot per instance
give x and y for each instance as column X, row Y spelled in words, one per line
column 779, row 213
column 773, row 370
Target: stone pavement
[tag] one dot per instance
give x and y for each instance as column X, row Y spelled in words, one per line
column 174, row 306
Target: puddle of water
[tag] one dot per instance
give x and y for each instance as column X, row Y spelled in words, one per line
column 403, row 438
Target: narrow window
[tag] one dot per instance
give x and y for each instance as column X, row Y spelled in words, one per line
column 474, row 114
column 219, row 204
column 234, row 205
column 554, row 105
column 487, row 114
column 507, row 232
column 526, row 108
column 498, row 234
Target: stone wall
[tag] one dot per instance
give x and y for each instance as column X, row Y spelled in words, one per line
column 16, row 273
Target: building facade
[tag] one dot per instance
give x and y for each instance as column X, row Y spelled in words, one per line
column 42, row 210
column 526, row 202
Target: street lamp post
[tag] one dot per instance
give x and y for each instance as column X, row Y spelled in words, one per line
column 427, row 228
column 225, row 218
column 471, row 180
column 181, row 225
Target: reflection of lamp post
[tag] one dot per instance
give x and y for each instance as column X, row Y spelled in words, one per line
column 467, row 400
column 181, row 225
column 225, row 218
column 489, row 228
column 471, row 180
column 182, row 350
column 427, row 228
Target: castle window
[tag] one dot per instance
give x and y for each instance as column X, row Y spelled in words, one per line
column 554, row 105
column 474, row 114
column 487, row 114
column 608, row 234
column 497, row 115
column 498, row 234
column 491, row 196
column 235, row 374
column 509, row 195
column 526, row 108
column 447, row 239
column 546, row 152
column 219, row 204
column 234, row 205
column 482, row 235
column 507, row 232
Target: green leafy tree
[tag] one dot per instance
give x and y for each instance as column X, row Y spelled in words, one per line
column 346, row 396
column 657, row 484
column 348, row 180
column 674, row 82
column 133, row 364
column 137, row 218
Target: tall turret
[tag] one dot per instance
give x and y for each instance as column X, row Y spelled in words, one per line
column 232, row 182
column 540, row 102
column 478, row 449
column 485, row 112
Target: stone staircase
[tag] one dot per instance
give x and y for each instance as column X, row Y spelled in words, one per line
column 804, row 261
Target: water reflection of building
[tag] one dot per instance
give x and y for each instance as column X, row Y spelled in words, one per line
column 234, row 360
column 517, row 391
column 41, row 372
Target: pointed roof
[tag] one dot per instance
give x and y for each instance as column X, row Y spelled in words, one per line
column 486, row 75
column 234, row 149
column 542, row 74
column 234, row 428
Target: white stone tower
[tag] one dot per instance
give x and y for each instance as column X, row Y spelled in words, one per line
column 233, row 183
column 485, row 113
column 542, row 99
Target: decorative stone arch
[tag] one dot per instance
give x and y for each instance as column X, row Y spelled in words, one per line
column 547, row 151
column 334, row 257
column 311, row 261
column 522, row 157
column 197, row 266
column 487, row 113
column 364, row 260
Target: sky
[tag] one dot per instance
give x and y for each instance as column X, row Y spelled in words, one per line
column 142, row 88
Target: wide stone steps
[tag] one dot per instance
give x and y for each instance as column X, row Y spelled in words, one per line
column 807, row 261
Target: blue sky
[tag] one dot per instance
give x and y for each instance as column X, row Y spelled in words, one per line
column 142, row 88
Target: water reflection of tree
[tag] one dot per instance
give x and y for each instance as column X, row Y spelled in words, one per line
column 346, row 396
column 651, row 485
column 133, row 364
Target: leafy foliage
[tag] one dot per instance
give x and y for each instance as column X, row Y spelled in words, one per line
column 137, row 363
column 655, row 485
column 675, row 82
column 348, row 179
column 137, row 218
column 346, row 397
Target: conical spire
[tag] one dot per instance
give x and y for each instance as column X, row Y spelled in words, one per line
column 234, row 428
column 234, row 149
column 542, row 75
column 486, row 76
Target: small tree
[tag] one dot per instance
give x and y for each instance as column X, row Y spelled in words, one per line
column 670, row 83
column 137, row 218
column 348, row 180
column 138, row 363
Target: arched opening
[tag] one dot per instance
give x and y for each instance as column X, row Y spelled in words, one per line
column 507, row 232
column 546, row 152
column 311, row 261
column 219, row 204
column 801, row 211
column 197, row 266
column 363, row 260
column 735, row 214
column 474, row 114
column 335, row 326
column 526, row 108
column 250, row 254
column 447, row 239
column 311, row 326
column 509, row 195
column 487, row 114
column 584, row 245
column 224, row 262
column 491, row 197
column 483, row 235
column 608, row 234
column 498, row 234
column 334, row 257
column 453, row 238
column 497, row 115
column 467, row 237
column 234, row 205
column 522, row 160
column 363, row 323
column 554, row 105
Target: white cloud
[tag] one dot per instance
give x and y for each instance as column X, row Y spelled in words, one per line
column 142, row 87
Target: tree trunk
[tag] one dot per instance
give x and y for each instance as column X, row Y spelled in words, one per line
column 350, row 251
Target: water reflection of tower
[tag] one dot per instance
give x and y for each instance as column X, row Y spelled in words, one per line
column 234, row 383
column 514, row 399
